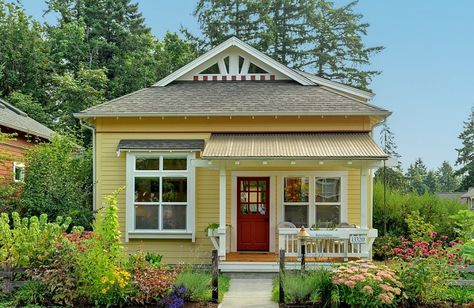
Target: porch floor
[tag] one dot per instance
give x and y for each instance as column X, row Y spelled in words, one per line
column 251, row 256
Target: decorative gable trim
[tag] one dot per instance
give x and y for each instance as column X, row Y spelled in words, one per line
column 233, row 41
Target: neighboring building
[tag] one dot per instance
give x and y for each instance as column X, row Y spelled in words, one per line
column 469, row 197
column 457, row 196
column 238, row 139
column 28, row 133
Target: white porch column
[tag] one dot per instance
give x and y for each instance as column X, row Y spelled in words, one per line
column 363, row 199
column 222, row 214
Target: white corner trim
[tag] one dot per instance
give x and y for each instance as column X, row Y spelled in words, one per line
column 233, row 41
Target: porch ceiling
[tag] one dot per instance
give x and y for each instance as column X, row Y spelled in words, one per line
column 293, row 146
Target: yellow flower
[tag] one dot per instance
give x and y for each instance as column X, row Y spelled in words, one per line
column 104, row 279
column 104, row 290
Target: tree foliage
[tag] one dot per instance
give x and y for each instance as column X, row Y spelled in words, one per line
column 309, row 35
column 448, row 181
column 58, row 181
column 465, row 159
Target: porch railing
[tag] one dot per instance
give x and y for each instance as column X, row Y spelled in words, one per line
column 329, row 243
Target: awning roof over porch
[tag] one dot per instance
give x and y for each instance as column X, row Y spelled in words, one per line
column 293, row 146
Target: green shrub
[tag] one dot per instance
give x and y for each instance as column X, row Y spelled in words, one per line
column 197, row 285
column 32, row 292
column 58, row 181
column 430, row 207
column 464, row 224
column 425, row 279
column 29, row 241
column 458, row 295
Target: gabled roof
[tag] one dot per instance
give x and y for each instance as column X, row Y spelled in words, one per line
column 233, row 41
column 296, row 75
column 233, row 98
column 469, row 194
column 197, row 90
column 16, row 119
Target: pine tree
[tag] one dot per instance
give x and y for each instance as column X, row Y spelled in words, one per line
column 431, row 182
column 393, row 176
column 466, row 153
column 416, row 175
column 448, row 181
column 310, row 35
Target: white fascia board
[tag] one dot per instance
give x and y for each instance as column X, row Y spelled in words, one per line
column 338, row 86
column 233, row 41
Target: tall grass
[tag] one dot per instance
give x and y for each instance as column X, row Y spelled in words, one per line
column 306, row 287
column 197, row 285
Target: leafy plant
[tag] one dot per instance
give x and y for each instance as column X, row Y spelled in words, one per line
column 153, row 259
column 29, row 241
column 418, row 228
column 32, row 292
column 464, row 224
column 152, row 284
column 361, row 283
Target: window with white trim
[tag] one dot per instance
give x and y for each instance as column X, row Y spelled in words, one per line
column 296, row 200
column 315, row 200
column 327, row 194
column 162, row 185
column 18, row 172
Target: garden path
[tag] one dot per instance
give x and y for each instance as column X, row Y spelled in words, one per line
column 249, row 292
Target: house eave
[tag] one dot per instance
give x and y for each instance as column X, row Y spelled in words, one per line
column 165, row 114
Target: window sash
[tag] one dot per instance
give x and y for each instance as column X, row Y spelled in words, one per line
column 160, row 204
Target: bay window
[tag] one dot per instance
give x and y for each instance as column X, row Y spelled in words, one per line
column 161, row 188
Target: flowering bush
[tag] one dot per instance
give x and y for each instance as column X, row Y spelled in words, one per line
column 153, row 284
column 361, row 283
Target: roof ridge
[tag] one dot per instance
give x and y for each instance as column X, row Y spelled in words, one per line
column 354, row 99
column 13, row 108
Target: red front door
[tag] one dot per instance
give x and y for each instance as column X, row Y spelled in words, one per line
column 253, row 213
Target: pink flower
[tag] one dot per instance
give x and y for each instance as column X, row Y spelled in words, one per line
column 384, row 247
column 433, row 235
column 351, row 284
column 386, row 288
column 384, row 298
column 368, row 290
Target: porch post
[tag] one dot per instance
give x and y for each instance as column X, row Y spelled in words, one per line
column 363, row 199
column 222, row 213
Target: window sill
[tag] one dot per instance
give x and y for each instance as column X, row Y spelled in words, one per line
column 160, row 235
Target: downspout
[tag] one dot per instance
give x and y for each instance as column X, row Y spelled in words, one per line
column 94, row 180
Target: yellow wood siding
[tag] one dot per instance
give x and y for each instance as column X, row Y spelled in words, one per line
column 111, row 170
column 234, row 124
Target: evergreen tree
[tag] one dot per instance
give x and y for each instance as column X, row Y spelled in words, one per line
column 393, row 176
column 431, row 182
column 466, row 153
column 416, row 175
column 448, row 181
column 310, row 35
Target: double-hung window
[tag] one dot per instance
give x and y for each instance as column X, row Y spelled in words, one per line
column 296, row 200
column 328, row 200
column 163, row 189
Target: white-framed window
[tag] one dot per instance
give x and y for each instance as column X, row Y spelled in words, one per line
column 315, row 199
column 296, row 200
column 327, row 200
column 160, row 195
column 18, row 172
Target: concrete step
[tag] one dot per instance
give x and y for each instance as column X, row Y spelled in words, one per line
column 251, row 275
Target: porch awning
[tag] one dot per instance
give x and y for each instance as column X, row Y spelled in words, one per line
column 161, row 144
column 293, row 146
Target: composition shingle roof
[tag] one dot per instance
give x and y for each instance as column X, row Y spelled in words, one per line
column 233, row 98
column 293, row 145
column 161, row 144
column 14, row 118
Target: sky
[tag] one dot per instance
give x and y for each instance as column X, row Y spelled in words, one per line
column 427, row 65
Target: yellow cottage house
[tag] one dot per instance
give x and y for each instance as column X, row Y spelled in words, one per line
column 237, row 140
